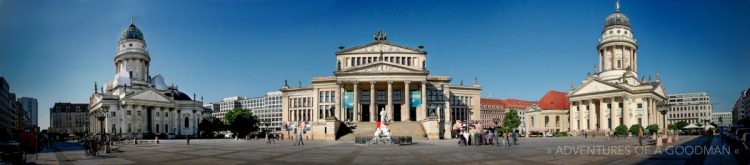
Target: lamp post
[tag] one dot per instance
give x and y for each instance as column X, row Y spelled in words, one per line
column 663, row 109
column 101, row 115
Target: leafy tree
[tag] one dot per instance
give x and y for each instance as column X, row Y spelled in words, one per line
column 681, row 124
column 634, row 129
column 241, row 122
column 211, row 125
column 653, row 128
column 511, row 120
column 621, row 130
column 672, row 127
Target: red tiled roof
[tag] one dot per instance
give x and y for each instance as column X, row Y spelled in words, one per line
column 554, row 100
column 507, row 103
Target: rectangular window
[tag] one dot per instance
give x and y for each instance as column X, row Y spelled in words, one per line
column 138, row 112
column 397, row 95
column 333, row 96
column 381, row 95
column 321, row 96
column 365, row 96
column 128, row 112
column 113, row 114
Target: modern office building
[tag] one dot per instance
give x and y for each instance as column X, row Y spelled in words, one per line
column 267, row 108
column 31, row 107
column 69, row 118
column 11, row 111
column 693, row 108
column 741, row 109
column 722, row 119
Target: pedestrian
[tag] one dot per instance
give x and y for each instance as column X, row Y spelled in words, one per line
column 515, row 137
column 640, row 136
column 489, row 137
column 188, row 140
column 507, row 138
column 496, row 137
column 299, row 138
column 585, row 135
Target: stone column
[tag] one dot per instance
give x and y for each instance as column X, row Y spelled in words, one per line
column 355, row 113
column 339, row 103
column 390, row 100
column 573, row 121
column 581, row 116
column 592, row 115
column 316, row 105
column 612, row 114
column 373, row 110
column 422, row 109
column 626, row 112
column 407, row 103
column 603, row 124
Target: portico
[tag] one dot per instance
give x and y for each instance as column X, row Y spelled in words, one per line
column 379, row 76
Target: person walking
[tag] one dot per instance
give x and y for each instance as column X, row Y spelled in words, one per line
column 465, row 135
column 489, row 137
column 515, row 137
column 299, row 138
column 496, row 137
column 640, row 136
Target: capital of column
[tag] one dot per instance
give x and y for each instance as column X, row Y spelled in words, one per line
column 407, row 82
column 390, row 82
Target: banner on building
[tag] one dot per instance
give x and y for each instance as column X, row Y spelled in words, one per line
column 416, row 98
column 348, row 99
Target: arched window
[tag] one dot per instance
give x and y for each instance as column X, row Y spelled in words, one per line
column 187, row 122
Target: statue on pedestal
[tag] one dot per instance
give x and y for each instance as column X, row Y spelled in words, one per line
column 382, row 134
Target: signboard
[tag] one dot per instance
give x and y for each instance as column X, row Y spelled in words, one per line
column 416, row 98
column 348, row 99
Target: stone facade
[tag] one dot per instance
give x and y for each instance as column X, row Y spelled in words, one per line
column 492, row 113
column 69, row 118
column 136, row 103
column 613, row 95
column 722, row 119
column 379, row 76
column 550, row 114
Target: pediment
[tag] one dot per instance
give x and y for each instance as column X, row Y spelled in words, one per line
column 594, row 86
column 381, row 67
column 150, row 95
column 378, row 47
column 660, row 91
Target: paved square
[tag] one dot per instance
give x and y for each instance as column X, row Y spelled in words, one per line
column 529, row 151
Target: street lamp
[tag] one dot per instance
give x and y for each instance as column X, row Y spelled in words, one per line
column 663, row 108
column 101, row 115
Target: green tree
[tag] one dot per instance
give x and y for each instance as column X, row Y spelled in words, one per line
column 653, row 128
column 634, row 129
column 681, row 124
column 211, row 125
column 621, row 130
column 672, row 127
column 511, row 120
column 241, row 122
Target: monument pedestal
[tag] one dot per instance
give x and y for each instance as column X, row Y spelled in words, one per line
column 431, row 127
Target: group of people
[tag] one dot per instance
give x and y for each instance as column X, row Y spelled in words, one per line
column 475, row 135
column 91, row 145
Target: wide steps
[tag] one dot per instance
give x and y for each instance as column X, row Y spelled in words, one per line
column 409, row 128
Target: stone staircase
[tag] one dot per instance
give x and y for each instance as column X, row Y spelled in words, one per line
column 408, row 128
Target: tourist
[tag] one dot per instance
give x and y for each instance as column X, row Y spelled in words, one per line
column 299, row 138
column 507, row 138
column 489, row 137
column 640, row 136
column 515, row 137
column 465, row 136
column 496, row 137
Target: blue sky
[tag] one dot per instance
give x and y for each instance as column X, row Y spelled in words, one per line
column 55, row 50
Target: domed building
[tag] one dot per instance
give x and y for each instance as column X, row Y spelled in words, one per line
column 613, row 94
column 134, row 103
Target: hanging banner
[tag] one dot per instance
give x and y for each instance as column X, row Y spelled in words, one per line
column 348, row 99
column 416, row 98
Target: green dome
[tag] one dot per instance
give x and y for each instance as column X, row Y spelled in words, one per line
column 132, row 33
column 617, row 18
